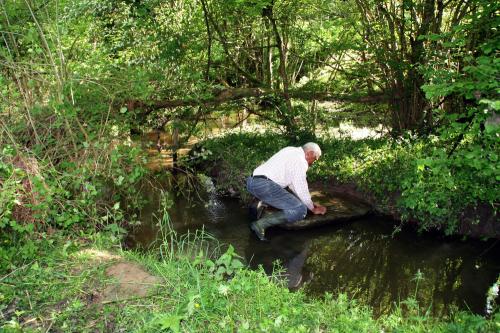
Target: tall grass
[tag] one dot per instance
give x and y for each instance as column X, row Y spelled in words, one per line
column 173, row 246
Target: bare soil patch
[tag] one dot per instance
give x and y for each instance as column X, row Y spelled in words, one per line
column 132, row 281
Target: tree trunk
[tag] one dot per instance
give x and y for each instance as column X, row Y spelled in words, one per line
column 408, row 106
column 267, row 60
column 209, row 36
column 229, row 95
column 290, row 121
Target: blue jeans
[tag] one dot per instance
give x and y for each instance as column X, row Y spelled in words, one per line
column 277, row 197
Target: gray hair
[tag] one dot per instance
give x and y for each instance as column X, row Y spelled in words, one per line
column 311, row 146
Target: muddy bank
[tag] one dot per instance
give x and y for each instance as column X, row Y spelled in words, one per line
column 476, row 222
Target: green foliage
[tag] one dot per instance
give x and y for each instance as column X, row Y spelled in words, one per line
column 226, row 265
column 429, row 186
column 233, row 157
column 10, row 188
column 491, row 299
column 424, row 184
column 464, row 162
column 471, row 44
column 66, row 163
column 99, row 189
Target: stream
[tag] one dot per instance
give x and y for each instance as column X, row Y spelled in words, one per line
column 364, row 258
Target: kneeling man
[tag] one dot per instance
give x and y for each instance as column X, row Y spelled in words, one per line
column 286, row 168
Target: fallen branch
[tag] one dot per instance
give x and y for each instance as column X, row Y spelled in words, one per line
column 229, row 95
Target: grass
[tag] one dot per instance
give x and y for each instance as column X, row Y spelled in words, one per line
column 200, row 289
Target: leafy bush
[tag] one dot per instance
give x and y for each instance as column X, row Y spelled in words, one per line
column 233, row 157
column 37, row 197
column 428, row 185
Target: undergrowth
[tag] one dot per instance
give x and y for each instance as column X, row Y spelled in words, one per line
column 424, row 183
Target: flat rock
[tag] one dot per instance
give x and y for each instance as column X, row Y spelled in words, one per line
column 338, row 209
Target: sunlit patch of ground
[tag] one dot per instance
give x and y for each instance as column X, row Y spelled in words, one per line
column 127, row 280
column 86, row 284
column 130, row 281
column 96, row 255
column 159, row 145
column 347, row 130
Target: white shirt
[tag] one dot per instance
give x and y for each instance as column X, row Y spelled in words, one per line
column 288, row 168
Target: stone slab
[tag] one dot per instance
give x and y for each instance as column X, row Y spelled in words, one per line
column 338, row 209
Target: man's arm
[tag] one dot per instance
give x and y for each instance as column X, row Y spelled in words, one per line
column 301, row 189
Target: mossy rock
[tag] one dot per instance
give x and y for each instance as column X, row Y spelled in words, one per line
column 338, row 209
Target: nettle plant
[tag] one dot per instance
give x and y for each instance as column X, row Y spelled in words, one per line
column 26, row 198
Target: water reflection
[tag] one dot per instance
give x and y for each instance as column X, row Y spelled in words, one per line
column 360, row 258
column 364, row 261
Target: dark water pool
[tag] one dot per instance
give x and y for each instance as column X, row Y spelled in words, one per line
column 362, row 258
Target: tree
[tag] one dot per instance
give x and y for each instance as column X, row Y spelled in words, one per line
column 395, row 34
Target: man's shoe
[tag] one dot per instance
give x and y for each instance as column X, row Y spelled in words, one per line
column 259, row 231
column 259, row 227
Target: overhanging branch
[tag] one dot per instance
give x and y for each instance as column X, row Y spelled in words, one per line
column 229, row 95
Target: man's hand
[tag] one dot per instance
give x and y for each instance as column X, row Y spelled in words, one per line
column 319, row 210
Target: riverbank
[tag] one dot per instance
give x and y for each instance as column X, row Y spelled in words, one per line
column 413, row 181
column 91, row 284
column 59, row 274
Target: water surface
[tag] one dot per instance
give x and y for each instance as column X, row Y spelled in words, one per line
column 362, row 258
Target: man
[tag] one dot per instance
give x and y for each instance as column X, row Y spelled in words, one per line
column 286, row 168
